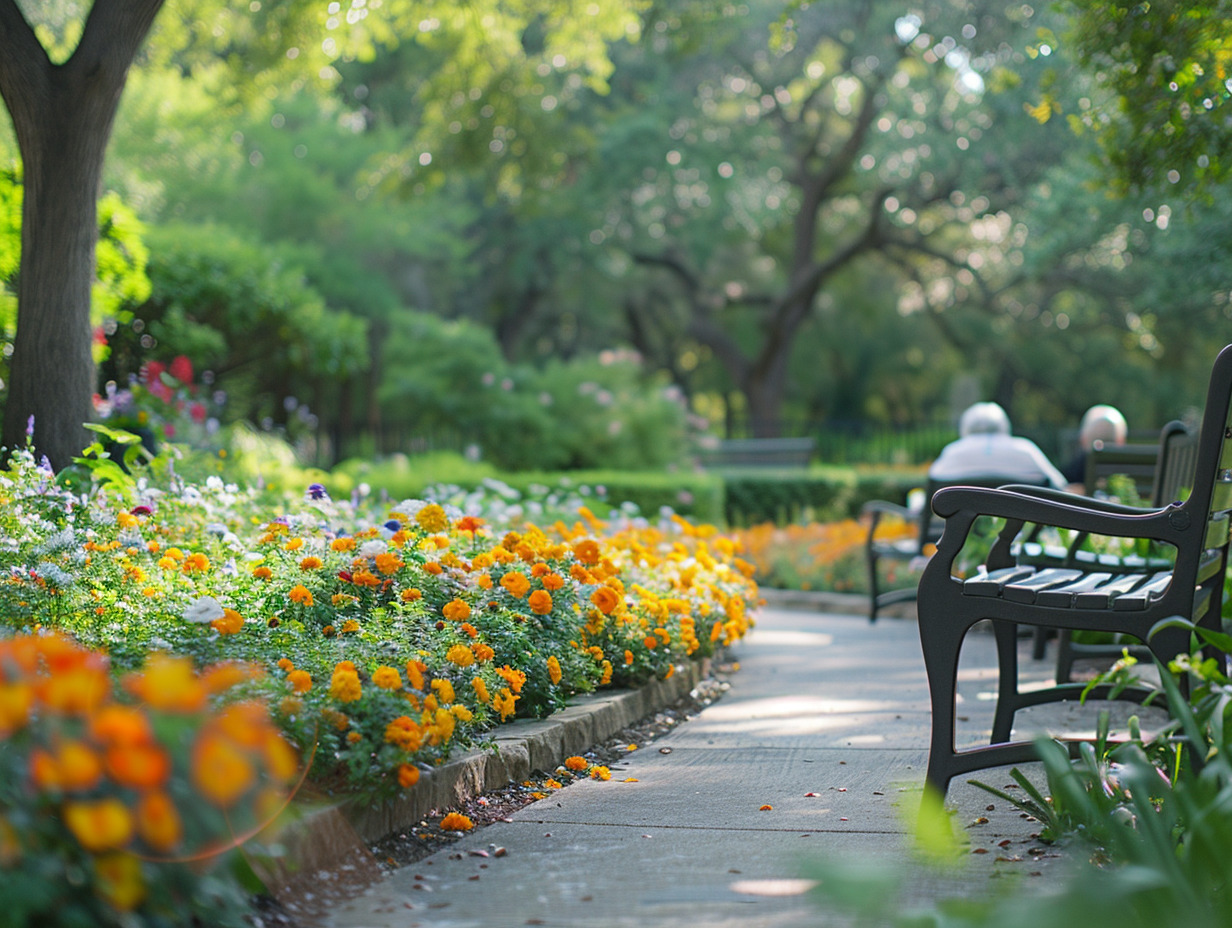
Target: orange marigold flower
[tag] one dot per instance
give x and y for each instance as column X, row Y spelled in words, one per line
column 434, row 568
column 365, row 578
column 410, row 595
column 552, row 581
column 387, row 678
column 581, row 574
column 587, row 551
column 262, row 572
column 432, row 518
column 230, row 623
column 414, row 674
column 468, row 524
column 481, row 690
column 99, row 825
column 168, row 683
column 121, row 725
column 605, row 599
column 516, row 583
column 505, row 703
column 350, row 625
column 461, row 655
column 554, row 673
column 404, row 732
column 158, row 821
column 342, row 544
column 311, row 562
column 293, row 544
column 651, row 642
column 628, row 656
column 482, row 652
column 354, row 737
column 599, row 772
column 300, row 680
column 221, row 770
column 456, row 610
column 138, row 766
column 456, row 821
column 408, row 775
column 576, row 763
column 540, row 602
column 284, row 663
column 196, row 563
column 515, row 678
column 607, row 674
column 469, row 630
column 301, row 594
column 166, row 562
column 766, row 808
column 388, row 563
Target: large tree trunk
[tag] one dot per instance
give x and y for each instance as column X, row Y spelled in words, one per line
column 62, row 117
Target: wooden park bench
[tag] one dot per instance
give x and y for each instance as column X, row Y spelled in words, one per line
column 760, row 452
column 1121, row 597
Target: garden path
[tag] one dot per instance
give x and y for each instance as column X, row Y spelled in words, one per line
column 826, row 722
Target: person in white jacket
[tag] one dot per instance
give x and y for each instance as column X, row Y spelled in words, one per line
column 985, row 448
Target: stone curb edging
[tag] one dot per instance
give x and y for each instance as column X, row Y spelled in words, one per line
column 337, row 836
column 523, row 746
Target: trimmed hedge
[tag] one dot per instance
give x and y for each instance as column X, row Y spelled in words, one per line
column 734, row 496
column 786, row 497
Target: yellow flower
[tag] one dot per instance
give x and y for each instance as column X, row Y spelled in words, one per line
column 342, row 544
column 120, row 882
column 221, row 771
column 599, row 772
column 504, row 703
column 414, row 674
column 481, row 690
column 196, row 563
column 461, row 713
column 387, row 678
column 461, row 655
column 515, row 678
column 554, row 673
column 344, row 685
column 432, row 518
column 444, row 691
column 99, row 825
column 293, row 544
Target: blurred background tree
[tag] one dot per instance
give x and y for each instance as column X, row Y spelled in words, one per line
column 797, row 217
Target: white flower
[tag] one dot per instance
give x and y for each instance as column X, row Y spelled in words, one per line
column 203, row 610
column 373, row 548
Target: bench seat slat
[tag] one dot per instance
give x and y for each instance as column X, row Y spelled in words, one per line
column 1063, row 597
column 1140, row 597
column 991, row 584
column 1026, row 589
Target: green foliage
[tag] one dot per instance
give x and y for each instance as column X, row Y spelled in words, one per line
column 782, row 497
column 1165, row 68
column 238, row 309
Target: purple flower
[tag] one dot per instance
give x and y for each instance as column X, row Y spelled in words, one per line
column 317, row 491
column 30, row 427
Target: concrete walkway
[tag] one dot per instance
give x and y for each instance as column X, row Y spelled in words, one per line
column 826, row 722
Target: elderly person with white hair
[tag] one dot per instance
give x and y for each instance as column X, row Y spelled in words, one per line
column 985, row 448
column 1101, row 425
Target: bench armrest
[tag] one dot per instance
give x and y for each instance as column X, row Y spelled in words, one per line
column 960, row 505
column 1076, row 499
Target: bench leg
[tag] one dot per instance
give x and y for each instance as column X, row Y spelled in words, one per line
column 942, row 643
column 1006, row 634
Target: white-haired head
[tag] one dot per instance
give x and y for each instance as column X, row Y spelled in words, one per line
column 984, row 419
column 1102, row 423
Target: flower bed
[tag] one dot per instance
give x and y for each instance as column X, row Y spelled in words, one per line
column 374, row 640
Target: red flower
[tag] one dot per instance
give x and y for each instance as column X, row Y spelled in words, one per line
column 181, row 369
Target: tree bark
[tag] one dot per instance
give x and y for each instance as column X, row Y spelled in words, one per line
column 62, row 116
